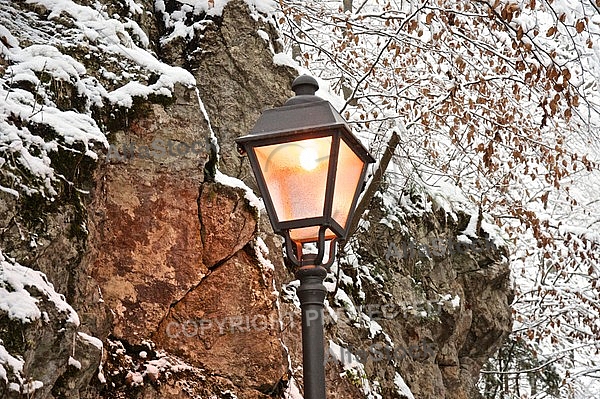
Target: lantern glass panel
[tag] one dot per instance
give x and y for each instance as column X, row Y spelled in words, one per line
column 295, row 174
column 309, row 234
column 349, row 171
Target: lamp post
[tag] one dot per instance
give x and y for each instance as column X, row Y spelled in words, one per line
column 310, row 169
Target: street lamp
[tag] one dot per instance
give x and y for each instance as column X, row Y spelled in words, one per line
column 310, row 170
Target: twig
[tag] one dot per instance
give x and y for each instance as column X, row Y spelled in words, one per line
column 531, row 370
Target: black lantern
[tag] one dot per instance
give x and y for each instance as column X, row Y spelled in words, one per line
column 310, row 170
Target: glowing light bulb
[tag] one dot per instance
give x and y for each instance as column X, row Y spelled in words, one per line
column 308, row 158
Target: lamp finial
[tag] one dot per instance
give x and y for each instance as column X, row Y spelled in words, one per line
column 305, row 85
column 305, row 88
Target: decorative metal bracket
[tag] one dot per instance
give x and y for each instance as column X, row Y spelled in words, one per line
column 298, row 259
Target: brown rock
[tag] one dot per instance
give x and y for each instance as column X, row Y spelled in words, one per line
column 227, row 222
column 246, row 84
column 229, row 325
column 147, row 248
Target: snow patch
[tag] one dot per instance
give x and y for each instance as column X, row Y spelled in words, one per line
column 292, row 391
column 353, row 369
column 18, row 303
column 74, row 363
column 91, row 340
column 261, row 250
column 401, row 387
column 284, row 60
column 230, row 181
column 14, row 364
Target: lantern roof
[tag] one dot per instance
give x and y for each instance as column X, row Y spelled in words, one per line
column 299, row 116
column 303, row 113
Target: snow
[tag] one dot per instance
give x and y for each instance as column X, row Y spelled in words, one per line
column 120, row 40
column 165, row 363
column 91, row 340
column 10, row 191
column 292, row 391
column 101, row 376
column 13, row 386
column 114, row 34
column 74, row 363
column 30, row 387
column 8, row 361
column 263, row 35
column 285, row 60
column 455, row 302
column 342, row 299
column 18, row 303
column 289, row 292
column 470, row 230
column 213, row 136
column 178, row 22
column 343, row 356
column 134, row 8
column 266, row 7
column 135, row 378
column 403, row 389
column 373, row 327
column 353, row 369
column 231, row 181
column 262, row 251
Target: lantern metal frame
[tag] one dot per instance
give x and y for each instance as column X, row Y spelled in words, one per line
column 304, row 117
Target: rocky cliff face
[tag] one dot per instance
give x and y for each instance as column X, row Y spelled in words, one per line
column 423, row 304
column 164, row 280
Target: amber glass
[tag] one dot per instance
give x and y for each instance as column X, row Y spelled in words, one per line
column 309, row 234
column 295, row 174
column 349, row 170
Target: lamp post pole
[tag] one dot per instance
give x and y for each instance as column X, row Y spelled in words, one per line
column 312, row 301
column 309, row 168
